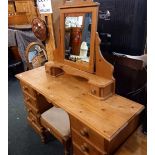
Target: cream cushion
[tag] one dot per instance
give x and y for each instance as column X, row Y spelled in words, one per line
column 58, row 119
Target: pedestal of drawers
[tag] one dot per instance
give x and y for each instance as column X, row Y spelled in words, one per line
column 35, row 105
column 87, row 141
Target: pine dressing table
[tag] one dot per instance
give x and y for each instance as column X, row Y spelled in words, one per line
column 100, row 119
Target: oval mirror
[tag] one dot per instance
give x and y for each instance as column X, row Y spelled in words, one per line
column 35, row 55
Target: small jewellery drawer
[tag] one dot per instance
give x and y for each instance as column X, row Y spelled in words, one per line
column 30, row 100
column 87, row 133
column 26, row 88
column 85, row 147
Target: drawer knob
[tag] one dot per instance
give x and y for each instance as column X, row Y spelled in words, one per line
column 28, row 110
column 93, row 91
column 25, row 88
column 84, row 132
column 84, row 148
column 27, row 99
column 32, row 120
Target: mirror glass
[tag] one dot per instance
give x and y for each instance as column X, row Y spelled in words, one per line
column 36, row 56
column 77, row 36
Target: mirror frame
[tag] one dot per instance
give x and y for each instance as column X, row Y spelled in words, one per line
column 87, row 8
column 28, row 50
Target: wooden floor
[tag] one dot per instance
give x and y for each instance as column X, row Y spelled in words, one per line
column 136, row 144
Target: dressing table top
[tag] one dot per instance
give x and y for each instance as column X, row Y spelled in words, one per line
column 71, row 93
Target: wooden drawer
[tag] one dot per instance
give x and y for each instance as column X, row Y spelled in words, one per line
column 11, row 7
column 28, row 99
column 37, row 128
column 26, row 88
column 77, row 151
column 36, row 105
column 17, row 19
column 22, row 6
column 87, row 133
column 31, row 108
column 34, row 117
column 84, row 146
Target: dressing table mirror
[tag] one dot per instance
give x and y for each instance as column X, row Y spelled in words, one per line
column 79, row 53
column 78, row 27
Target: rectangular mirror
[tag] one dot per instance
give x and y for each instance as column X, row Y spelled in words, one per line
column 78, row 28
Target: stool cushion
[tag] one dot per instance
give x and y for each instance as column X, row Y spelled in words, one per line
column 58, row 119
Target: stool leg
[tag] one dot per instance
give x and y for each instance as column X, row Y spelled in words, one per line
column 43, row 138
column 66, row 151
column 67, row 145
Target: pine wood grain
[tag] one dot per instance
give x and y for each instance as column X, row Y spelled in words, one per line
column 71, row 94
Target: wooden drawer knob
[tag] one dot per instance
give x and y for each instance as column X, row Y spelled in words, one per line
column 25, row 88
column 93, row 91
column 28, row 110
column 27, row 99
column 84, row 148
column 84, row 132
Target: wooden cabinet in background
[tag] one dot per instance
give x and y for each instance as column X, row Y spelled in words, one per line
column 11, row 6
column 26, row 6
column 22, row 6
column 18, row 19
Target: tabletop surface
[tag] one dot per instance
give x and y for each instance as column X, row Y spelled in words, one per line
column 72, row 94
